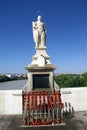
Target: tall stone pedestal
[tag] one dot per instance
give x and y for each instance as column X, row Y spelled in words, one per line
column 41, row 72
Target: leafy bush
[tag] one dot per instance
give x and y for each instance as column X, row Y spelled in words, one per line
column 71, row 80
column 4, row 78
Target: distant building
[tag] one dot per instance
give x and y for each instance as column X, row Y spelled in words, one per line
column 11, row 75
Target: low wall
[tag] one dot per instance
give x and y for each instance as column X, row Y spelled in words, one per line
column 11, row 100
column 77, row 97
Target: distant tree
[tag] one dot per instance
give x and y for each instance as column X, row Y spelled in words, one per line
column 85, row 78
column 4, row 78
column 71, row 80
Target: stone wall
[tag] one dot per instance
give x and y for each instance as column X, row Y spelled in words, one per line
column 77, row 97
column 11, row 100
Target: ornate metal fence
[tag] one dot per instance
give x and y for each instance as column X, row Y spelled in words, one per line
column 42, row 108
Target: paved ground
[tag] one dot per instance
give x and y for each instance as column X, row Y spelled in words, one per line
column 78, row 122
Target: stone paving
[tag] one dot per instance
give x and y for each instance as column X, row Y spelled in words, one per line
column 13, row 122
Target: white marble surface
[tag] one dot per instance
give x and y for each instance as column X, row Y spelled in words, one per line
column 39, row 32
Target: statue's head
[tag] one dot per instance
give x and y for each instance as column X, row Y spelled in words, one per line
column 39, row 18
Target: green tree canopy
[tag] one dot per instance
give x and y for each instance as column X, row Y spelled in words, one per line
column 71, row 80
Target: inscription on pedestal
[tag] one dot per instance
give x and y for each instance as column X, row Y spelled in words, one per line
column 40, row 81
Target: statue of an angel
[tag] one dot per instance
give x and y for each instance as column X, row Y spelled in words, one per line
column 39, row 32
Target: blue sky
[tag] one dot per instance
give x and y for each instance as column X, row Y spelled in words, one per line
column 66, row 24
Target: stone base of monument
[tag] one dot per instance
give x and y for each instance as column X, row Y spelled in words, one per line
column 40, row 77
column 40, row 71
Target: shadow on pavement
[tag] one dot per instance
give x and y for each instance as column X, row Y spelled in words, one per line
column 77, row 122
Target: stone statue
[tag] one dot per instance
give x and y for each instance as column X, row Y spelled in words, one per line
column 39, row 32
